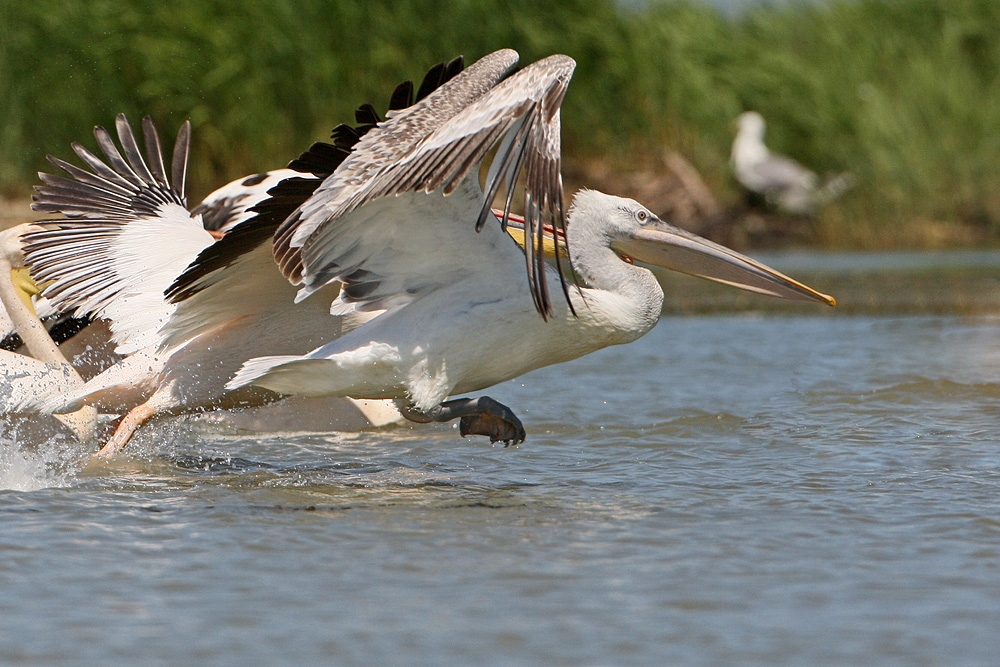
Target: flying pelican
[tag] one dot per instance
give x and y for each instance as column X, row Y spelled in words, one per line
column 454, row 310
column 779, row 181
column 130, row 236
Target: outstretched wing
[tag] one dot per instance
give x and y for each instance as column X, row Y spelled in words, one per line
column 203, row 293
column 435, row 147
column 129, row 233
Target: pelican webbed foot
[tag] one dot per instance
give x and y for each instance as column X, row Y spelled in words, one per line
column 479, row 416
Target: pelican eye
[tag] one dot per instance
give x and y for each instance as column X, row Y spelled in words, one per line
column 642, row 217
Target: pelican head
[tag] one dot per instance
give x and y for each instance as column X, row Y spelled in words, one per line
column 631, row 230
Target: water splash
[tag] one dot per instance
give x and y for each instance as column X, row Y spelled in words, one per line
column 26, row 465
column 22, row 472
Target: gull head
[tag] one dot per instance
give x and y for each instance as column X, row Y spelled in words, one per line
column 751, row 124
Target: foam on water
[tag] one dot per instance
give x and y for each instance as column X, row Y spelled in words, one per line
column 23, row 471
column 37, row 453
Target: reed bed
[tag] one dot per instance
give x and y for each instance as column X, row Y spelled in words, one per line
column 903, row 93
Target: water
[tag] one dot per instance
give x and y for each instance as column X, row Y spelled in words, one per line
column 754, row 489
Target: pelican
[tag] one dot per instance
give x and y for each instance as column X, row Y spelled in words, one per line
column 34, row 354
column 779, row 181
column 46, row 371
column 453, row 311
column 129, row 236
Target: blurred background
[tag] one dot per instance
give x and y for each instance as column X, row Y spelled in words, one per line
column 903, row 94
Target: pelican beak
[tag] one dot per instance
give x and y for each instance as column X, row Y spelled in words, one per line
column 515, row 227
column 662, row 244
column 25, row 286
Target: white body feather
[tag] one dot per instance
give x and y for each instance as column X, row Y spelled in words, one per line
column 469, row 322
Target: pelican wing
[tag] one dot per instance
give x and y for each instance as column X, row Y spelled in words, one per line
column 458, row 125
column 25, row 382
column 128, row 235
column 236, row 276
column 205, row 292
column 383, row 147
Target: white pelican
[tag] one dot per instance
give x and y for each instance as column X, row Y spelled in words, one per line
column 130, row 236
column 47, row 371
column 35, row 354
column 779, row 181
column 454, row 310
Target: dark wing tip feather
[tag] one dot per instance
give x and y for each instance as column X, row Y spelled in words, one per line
column 122, row 187
column 282, row 201
column 154, row 153
column 240, row 240
column 179, row 166
column 344, row 136
column 402, row 97
column 323, row 159
column 366, row 115
column 320, row 159
column 131, row 147
column 454, row 67
column 432, row 81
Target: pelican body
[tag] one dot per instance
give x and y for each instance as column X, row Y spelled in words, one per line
column 480, row 327
column 406, row 227
column 382, row 255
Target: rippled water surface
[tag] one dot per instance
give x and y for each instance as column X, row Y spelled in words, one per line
column 732, row 489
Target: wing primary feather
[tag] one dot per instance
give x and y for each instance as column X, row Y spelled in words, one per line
column 495, row 170
column 543, row 284
column 117, row 162
column 530, row 218
column 471, row 155
column 432, row 80
column 131, row 147
column 64, row 186
column 454, row 66
column 502, row 169
column 154, row 152
column 85, row 176
column 74, row 207
column 101, row 169
column 366, row 115
column 344, row 136
column 402, row 97
column 179, row 164
column 321, row 159
column 561, row 220
column 511, row 184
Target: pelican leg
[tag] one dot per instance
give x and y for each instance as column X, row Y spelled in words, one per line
column 135, row 418
column 479, row 416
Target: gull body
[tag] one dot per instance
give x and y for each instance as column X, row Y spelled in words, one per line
column 780, row 181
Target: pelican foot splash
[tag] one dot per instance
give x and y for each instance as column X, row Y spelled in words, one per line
column 479, row 416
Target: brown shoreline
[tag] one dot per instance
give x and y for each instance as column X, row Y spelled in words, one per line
column 16, row 211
